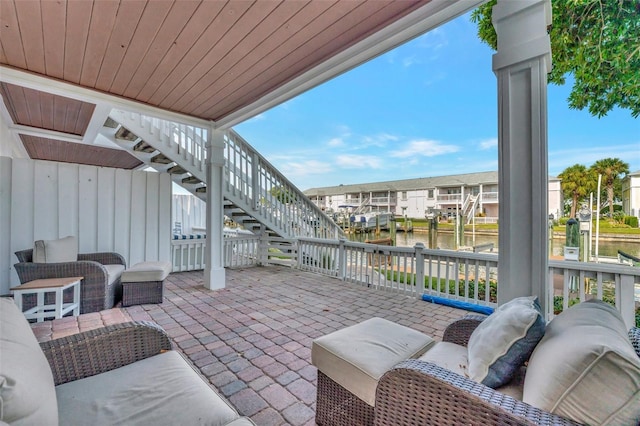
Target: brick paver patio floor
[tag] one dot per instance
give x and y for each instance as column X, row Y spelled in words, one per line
column 253, row 338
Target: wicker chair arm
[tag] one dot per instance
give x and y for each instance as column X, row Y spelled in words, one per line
column 25, row 255
column 460, row 330
column 28, row 271
column 97, row 351
column 418, row 392
column 105, row 258
column 634, row 336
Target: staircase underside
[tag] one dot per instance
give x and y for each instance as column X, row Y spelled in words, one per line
column 152, row 157
column 256, row 195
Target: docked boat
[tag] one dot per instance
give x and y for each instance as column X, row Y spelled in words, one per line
column 370, row 221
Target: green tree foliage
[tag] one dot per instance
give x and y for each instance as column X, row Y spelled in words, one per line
column 577, row 182
column 611, row 170
column 283, row 195
column 598, row 42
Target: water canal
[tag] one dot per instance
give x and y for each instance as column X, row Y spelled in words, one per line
column 446, row 240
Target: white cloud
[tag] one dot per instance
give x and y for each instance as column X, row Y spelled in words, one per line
column 561, row 159
column 425, row 148
column 488, row 144
column 434, row 39
column 409, row 60
column 380, row 140
column 258, row 117
column 350, row 161
column 305, row 168
column 335, row 142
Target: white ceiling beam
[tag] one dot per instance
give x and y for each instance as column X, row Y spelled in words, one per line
column 44, row 133
column 100, row 115
column 422, row 20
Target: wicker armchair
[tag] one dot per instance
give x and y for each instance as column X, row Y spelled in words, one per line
column 125, row 373
column 418, row 392
column 97, row 351
column 96, row 293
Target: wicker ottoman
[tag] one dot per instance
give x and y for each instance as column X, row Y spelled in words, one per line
column 144, row 283
column 352, row 360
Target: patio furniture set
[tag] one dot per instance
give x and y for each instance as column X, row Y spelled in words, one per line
column 103, row 279
column 508, row 368
column 581, row 368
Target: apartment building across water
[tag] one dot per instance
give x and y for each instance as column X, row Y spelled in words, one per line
column 471, row 194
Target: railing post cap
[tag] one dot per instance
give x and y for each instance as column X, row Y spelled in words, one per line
column 419, row 245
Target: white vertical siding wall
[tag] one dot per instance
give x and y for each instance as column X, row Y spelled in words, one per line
column 189, row 211
column 5, row 223
column 125, row 211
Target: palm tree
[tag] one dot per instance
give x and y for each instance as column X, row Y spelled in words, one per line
column 610, row 169
column 576, row 183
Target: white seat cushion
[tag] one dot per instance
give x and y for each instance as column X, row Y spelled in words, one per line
column 585, row 368
column 146, row 271
column 114, row 272
column 454, row 358
column 161, row 390
column 448, row 355
column 27, row 391
column 55, row 251
column 357, row 356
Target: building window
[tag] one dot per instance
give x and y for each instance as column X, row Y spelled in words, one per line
column 430, row 193
column 404, row 195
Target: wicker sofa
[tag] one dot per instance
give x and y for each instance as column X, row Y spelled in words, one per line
column 421, row 392
column 100, row 288
column 121, row 374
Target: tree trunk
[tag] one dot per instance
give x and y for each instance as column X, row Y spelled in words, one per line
column 610, row 199
column 574, row 204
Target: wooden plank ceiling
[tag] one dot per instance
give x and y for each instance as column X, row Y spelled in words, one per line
column 202, row 58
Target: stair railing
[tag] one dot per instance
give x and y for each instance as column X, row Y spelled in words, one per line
column 248, row 177
column 273, row 194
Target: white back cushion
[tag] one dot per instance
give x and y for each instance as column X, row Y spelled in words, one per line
column 585, row 368
column 54, row 251
column 27, row 392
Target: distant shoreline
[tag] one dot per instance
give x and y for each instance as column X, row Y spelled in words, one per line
column 556, row 234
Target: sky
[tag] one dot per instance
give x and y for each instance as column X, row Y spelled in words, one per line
column 427, row 108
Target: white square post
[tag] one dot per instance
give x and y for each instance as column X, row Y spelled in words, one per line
column 214, row 274
column 521, row 66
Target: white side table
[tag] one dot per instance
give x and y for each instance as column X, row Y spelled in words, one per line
column 49, row 285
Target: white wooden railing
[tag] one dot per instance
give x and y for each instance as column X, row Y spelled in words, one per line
column 188, row 255
column 575, row 282
column 446, row 274
column 486, row 197
column 250, row 181
column 250, row 177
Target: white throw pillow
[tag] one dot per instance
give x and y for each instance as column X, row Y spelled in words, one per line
column 504, row 341
column 27, row 391
column 55, row 251
column 585, row 368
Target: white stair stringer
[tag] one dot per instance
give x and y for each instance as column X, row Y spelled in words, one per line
column 181, row 149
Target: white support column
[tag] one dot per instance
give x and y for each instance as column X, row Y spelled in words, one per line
column 214, row 274
column 521, row 66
